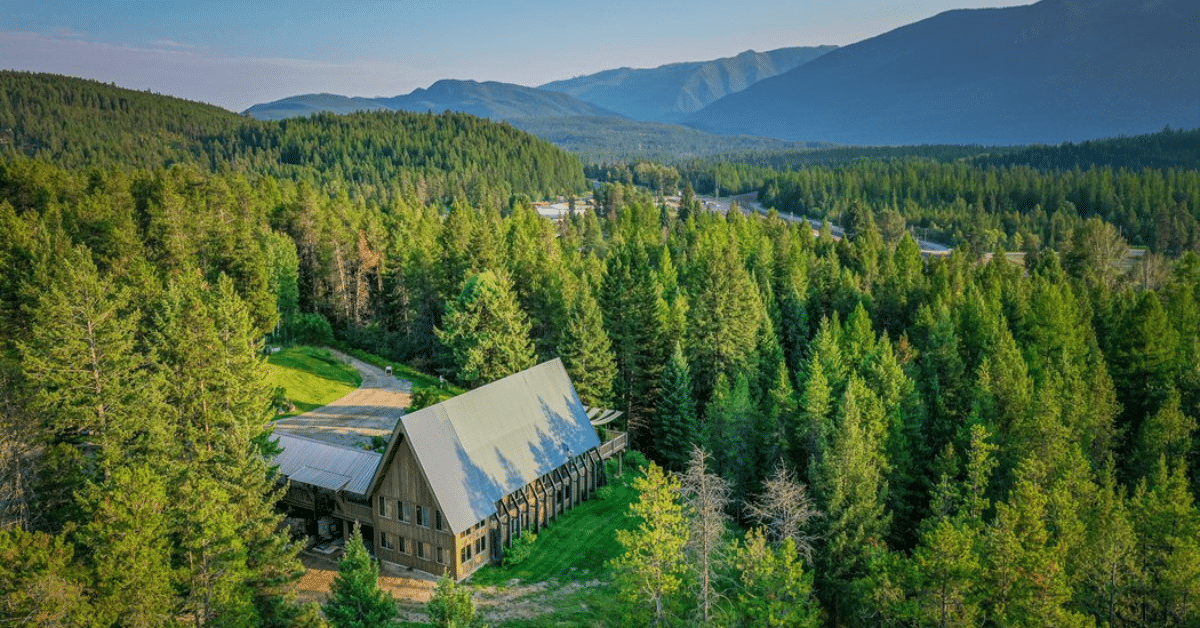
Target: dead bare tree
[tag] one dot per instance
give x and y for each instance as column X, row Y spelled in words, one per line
column 705, row 496
column 784, row 510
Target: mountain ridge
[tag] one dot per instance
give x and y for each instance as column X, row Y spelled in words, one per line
column 669, row 92
column 1057, row 70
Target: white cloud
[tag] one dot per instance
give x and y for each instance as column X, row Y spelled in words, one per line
column 193, row 73
column 169, row 43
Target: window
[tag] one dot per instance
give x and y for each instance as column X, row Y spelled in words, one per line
column 400, row 513
column 385, row 540
column 407, row 514
column 480, row 544
column 441, row 555
column 400, row 545
column 423, row 516
column 420, row 550
column 437, row 517
column 465, row 554
column 383, row 510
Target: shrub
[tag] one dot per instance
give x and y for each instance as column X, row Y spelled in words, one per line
column 423, row 397
column 636, row 461
column 313, row 329
column 521, row 549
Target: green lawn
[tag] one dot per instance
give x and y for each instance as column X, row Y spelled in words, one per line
column 576, row 547
column 310, row 377
column 570, row 557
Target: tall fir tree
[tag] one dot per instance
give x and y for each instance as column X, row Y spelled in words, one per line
column 673, row 429
column 485, row 331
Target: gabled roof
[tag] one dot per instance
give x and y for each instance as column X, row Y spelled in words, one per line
column 328, row 466
column 482, row 445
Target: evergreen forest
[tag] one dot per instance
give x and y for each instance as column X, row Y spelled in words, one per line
column 970, row 439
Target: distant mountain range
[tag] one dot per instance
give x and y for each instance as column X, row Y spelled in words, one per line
column 669, row 93
column 1044, row 73
column 498, row 101
column 1054, row 71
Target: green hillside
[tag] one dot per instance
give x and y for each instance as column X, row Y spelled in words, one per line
column 75, row 123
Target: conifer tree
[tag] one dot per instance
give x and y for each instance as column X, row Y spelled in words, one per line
column 852, row 489
column 129, row 554
column 673, row 428
column 651, row 569
column 724, row 317
column 96, row 393
column 1167, row 524
column 585, row 349
column 452, row 606
column 40, row 582
column 630, row 298
column 356, row 599
column 774, row 590
column 486, row 332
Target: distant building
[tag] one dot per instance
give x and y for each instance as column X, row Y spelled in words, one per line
column 460, row 480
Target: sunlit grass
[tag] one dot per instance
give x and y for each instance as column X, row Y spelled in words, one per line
column 310, row 377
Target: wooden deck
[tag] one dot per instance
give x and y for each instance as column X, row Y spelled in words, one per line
column 614, row 443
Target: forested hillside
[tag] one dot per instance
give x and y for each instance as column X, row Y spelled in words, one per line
column 984, row 443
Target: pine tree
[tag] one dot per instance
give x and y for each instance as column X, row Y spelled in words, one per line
column 95, row 389
column 40, row 582
column 651, row 569
column 1109, row 573
column 486, row 332
column 452, row 606
column 724, row 318
column 1027, row 579
column 852, row 491
column 356, row 599
column 774, row 590
column 949, row 572
column 129, row 552
column 673, row 429
column 1167, row 525
column 585, row 349
column 630, row 298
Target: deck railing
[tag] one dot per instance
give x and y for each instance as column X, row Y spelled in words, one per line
column 357, row 511
column 615, row 443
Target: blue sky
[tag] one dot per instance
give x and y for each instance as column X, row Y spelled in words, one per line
column 235, row 54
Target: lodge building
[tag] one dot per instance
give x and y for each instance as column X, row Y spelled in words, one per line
column 461, row 480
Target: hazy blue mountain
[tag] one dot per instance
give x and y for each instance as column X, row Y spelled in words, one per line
column 1049, row 72
column 498, row 101
column 669, row 93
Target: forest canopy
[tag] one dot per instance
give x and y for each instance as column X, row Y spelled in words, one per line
column 985, row 442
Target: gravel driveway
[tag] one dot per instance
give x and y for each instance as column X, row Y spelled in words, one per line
column 370, row 410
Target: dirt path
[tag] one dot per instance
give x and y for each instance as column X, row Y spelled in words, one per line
column 414, row 589
column 370, row 410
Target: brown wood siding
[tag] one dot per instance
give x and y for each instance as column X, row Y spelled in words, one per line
column 404, row 481
column 534, row 505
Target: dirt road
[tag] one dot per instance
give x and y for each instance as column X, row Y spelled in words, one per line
column 370, row 410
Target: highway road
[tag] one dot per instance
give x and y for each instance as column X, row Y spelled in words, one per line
column 750, row 202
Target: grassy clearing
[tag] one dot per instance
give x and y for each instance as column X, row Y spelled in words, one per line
column 571, row 558
column 576, row 547
column 310, row 377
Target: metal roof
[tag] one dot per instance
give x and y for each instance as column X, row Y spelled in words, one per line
column 328, row 466
column 482, row 445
